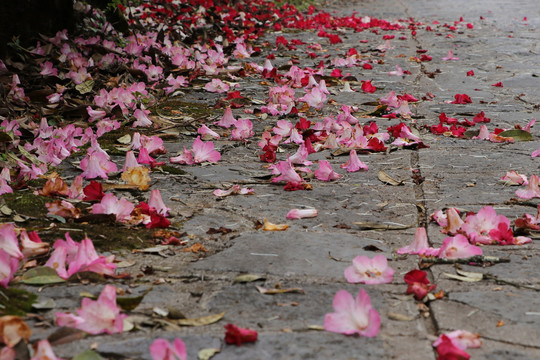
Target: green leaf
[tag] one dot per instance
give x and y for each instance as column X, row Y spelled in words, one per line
column 130, row 303
column 88, row 355
column 517, row 135
column 42, row 275
column 85, row 87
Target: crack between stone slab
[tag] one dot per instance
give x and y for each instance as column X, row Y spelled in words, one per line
column 430, row 323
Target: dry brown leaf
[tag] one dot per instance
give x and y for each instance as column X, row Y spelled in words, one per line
column 13, row 329
column 195, row 248
column 205, row 320
column 500, row 323
column 206, row 354
column 54, row 187
column 279, row 291
column 268, row 226
column 387, row 179
column 399, row 317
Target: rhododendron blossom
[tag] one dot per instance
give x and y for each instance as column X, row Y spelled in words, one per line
column 532, row 190
column 237, row 335
column 353, row 316
column 156, row 202
column 478, row 226
column 458, row 247
column 369, row 271
column 354, row 163
column 96, row 316
column 325, row 172
column 110, row 204
column 227, row 120
column 161, row 349
column 514, row 178
column 233, row 190
column 286, row 172
column 216, row 85
column 419, row 245
column 302, row 213
column 243, row 130
column 419, row 284
column 204, row 151
column 452, row 345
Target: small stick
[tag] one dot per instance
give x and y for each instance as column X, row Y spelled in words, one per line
column 472, row 259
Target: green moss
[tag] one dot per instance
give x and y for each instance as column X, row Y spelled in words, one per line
column 26, row 203
column 16, row 301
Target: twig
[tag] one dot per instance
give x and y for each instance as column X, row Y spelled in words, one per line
column 335, row 258
column 508, row 282
column 473, row 259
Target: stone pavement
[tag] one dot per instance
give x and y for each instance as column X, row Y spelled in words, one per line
column 313, row 253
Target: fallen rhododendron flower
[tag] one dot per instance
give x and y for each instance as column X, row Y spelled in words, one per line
column 286, row 172
column 528, row 221
column 243, row 130
column 353, row 316
column 419, row 284
column 477, row 227
column 302, row 213
column 216, row 85
column 157, row 203
column 461, row 99
column 354, row 163
column 44, row 351
column 137, row 176
column 369, row 271
column 325, row 172
column 13, row 329
column 447, row 350
column 54, row 187
column 458, row 247
column 79, row 257
column 532, row 191
column 449, row 56
column 63, row 208
column 93, row 191
column 452, row 345
column 96, row 316
column 161, row 349
column 419, row 245
column 204, row 151
column 237, row 335
column 110, row 204
column 513, row 178
column 227, row 120
column 233, row 190
column 205, row 132
column 31, row 244
column 268, row 226
column 462, row 339
column 368, row 87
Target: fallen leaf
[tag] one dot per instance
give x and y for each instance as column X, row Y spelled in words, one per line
column 316, row 327
column 13, row 329
column 152, row 250
column 42, row 275
column 517, row 135
column 372, row 248
column 46, row 304
column 462, row 278
column 125, row 140
column 64, row 335
column 5, row 210
column 125, row 302
column 279, row 291
column 205, row 320
column 88, row 355
column 399, row 317
column 469, row 274
column 387, row 179
column 206, row 354
column 195, row 248
column 221, row 230
column 268, row 226
column 246, row 278
column 85, row 87
column 500, row 323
